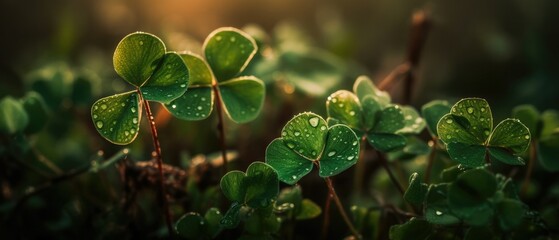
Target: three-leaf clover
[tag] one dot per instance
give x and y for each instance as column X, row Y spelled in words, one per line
column 368, row 111
column 227, row 52
column 470, row 138
column 141, row 60
column 255, row 189
column 307, row 140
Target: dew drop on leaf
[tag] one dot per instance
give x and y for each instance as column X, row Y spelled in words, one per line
column 449, row 121
column 103, row 106
column 470, row 110
column 332, row 153
column 527, row 137
column 313, row 121
column 99, row 124
column 350, row 158
column 438, row 213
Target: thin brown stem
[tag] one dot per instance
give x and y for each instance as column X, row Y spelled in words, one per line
column 220, row 127
column 531, row 161
column 430, row 160
column 326, row 221
column 393, row 178
column 360, row 167
column 341, row 209
column 159, row 160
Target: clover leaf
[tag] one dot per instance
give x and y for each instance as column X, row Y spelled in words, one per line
column 13, row 118
column 469, row 195
column 141, row 60
column 194, row 226
column 433, row 112
column 299, row 208
column 368, row 111
column 307, row 139
column 255, row 188
column 469, row 136
column 227, row 52
column 415, row 194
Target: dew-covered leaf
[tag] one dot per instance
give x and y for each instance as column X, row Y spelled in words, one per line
column 36, row 110
column 117, row 117
column 469, row 155
column 309, row 210
column 345, row 107
column 13, row 117
column 469, row 121
column 305, row 134
column 437, row 210
column 413, row 123
column 471, row 189
column 243, row 98
column 169, row 81
column 232, row 217
column 386, row 142
column 529, row 116
column 212, row 219
column 291, row 195
column 390, row 120
column 371, row 110
column 432, row 112
column 505, row 155
column 137, row 56
column 190, row 226
column 510, row 134
column 228, row 51
column 364, row 86
column 199, row 71
column 341, row 151
column 415, row 194
column 195, row 104
column 256, row 188
column 290, row 166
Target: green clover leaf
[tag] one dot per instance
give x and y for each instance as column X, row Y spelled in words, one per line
column 255, row 189
column 307, row 139
column 433, row 112
column 160, row 76
column 368, row 111
column 469, row 136
column 415, row 194
column 227, row 52
column 13, row 118
column 193, row 226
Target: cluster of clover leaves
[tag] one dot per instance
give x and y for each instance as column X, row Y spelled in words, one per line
column 189, row 86
column 165, row 77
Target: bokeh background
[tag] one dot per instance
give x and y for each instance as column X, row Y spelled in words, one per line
column 505, row 51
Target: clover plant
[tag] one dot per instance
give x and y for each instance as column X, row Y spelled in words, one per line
column 368, row 111
column 471, row 140
column 160, row 76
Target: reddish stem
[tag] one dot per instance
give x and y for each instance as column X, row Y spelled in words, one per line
column 157, row 157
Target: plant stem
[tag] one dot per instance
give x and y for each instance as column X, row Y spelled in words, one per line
column 341, row 208
column 360, row 167
column 393, row 178
column 220, row 127
column 159, row 160
column 531, row 161
column 430, row 160
column 326, row 221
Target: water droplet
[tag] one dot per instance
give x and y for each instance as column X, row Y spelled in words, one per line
column 313, row 121
column 126, row 133
column 290, row 145
column 133, row 109
column 294, row 177
column 481, row 119
column 168, row 76
column 199, row 108
column 334, row 100
column 296, row 133
column 486, row 132
column 232, row 39
column 103, row 106
column 331, row 153
column 470, row 110
column 313, row 153
column 449, row 121
column 94, row 115
column 354, row 143
column 183, row 85
column 284, row 133
column 134, row 120
column 132, row 131
column 527, row 137
column 203, row 99
column 141, row 42
column 218, row 38
column 438, row 213
column 350, row 158
column 174, row 106
column 482, row 109
column 352, row 113
column 99, row 124
column 341, row 105
column 322, row 127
